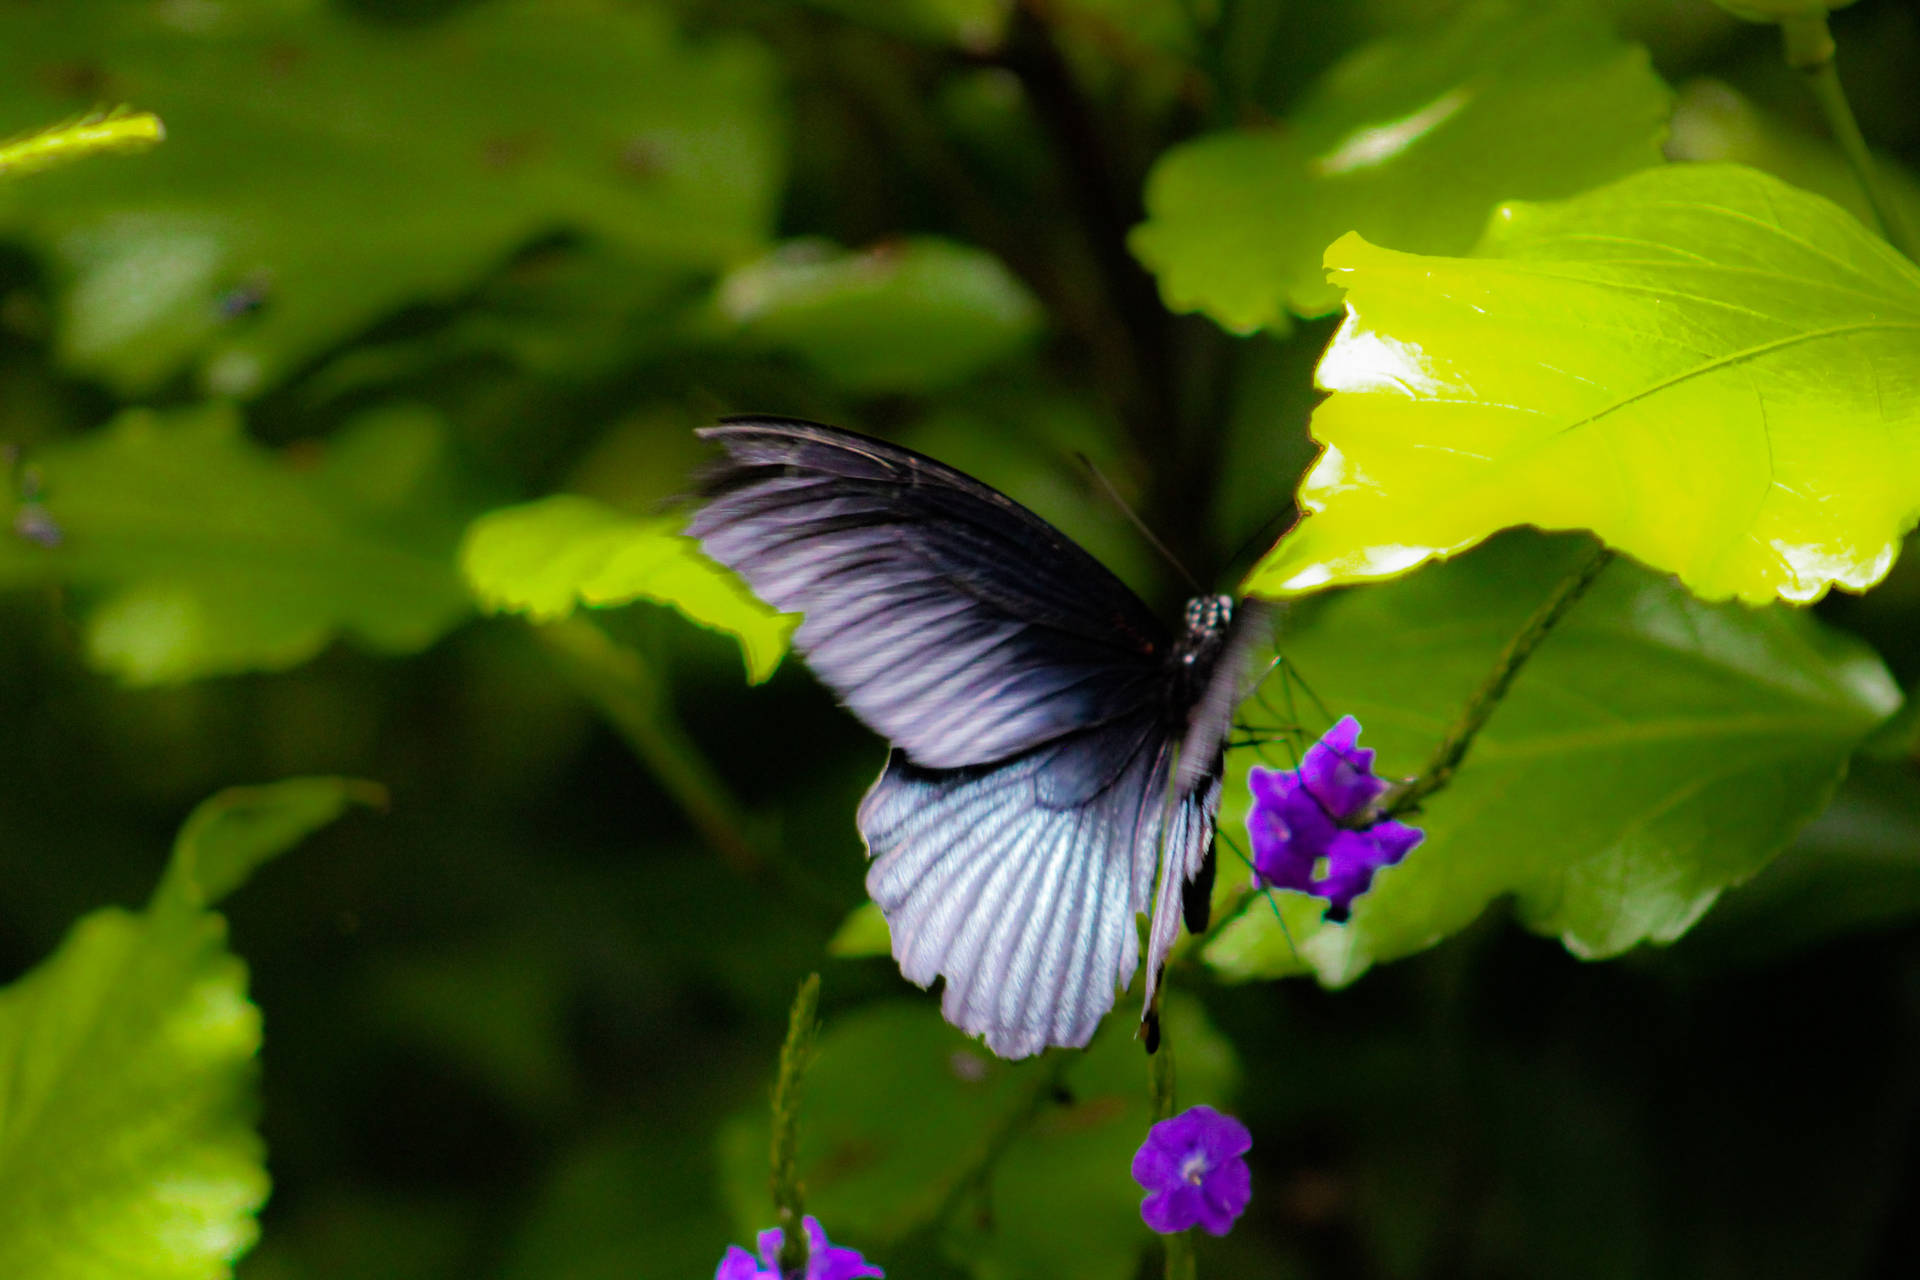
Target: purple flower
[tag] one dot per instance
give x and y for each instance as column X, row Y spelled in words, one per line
column 1297, row 823
column 824, row 1261
column 1192, row 1168
column 32, row 522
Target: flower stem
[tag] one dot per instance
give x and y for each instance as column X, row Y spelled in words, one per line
column 1454, row 747
column 1160, row 1081
column 1809, row 50
column 803, row 1024
column 1160, row 1078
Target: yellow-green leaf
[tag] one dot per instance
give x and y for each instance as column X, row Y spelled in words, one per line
column 545, row 558
column 1714, row 371
column 97, row 133
column 127, row 1069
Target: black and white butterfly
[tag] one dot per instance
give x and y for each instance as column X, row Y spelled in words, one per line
column 1051, row 739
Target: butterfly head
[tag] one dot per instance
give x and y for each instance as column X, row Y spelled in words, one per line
column 1206, row 626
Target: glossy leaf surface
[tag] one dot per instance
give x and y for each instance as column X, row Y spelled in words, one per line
column 547, row 557
column 1717, row 373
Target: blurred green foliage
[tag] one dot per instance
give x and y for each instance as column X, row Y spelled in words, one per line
column 344, row 429
column 1411, row 141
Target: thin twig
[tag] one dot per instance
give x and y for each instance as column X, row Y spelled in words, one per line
column 1809, row 50
column 1459, row 740
column 1160, row 1077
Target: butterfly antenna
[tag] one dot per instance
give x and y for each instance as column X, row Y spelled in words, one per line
column 1265, row 891
column 1291, row 675
column 1106, row 486
column 1288, row 674
column 1260, row 534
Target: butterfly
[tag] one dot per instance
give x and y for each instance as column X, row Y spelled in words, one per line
column 1051, row 740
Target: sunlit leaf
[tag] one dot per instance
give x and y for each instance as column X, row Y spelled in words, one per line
column 1654, row 751
column 1411, row 141
column 127, row 1148
column 1713, row 371
column 204, row 553
column 905, row 316
column 96, row 133
column 322, row 172
column 547, row 557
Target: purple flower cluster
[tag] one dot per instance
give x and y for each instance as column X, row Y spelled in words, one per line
column 824, row 1261
column 1299, row 816
column 1194, row 1170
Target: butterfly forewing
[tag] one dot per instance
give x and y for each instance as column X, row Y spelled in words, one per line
column 951, row 620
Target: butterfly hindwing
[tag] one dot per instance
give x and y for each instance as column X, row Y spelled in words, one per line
column 949, row 619
column 1021, row 895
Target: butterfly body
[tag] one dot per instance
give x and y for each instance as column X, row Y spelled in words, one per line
column 1053, row 744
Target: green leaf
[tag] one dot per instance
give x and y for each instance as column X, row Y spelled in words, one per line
column 1654, row 751
column 1855, row 868
column 228, row 836
column 1411, row 140
column 543, row 558
column 127, row 1064
column 443, row 146
column 862, row 934
column 882, row 1150
column 1708, row 368
column 204, row 553
column 1715, row 123
column 909, row 315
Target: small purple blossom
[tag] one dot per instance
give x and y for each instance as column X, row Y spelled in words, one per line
column 32, row 522
column 824, row 1261
column 1297, row 823
column 1193, row 1169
